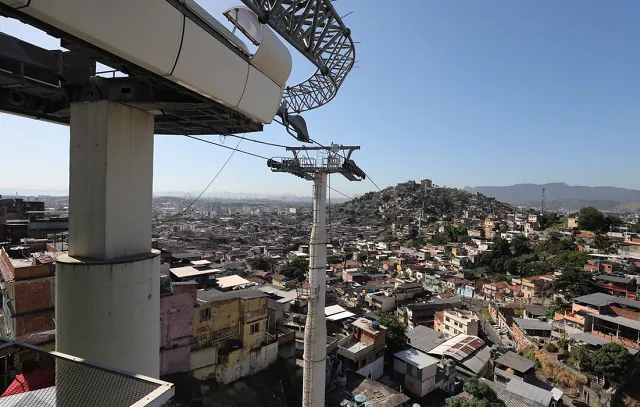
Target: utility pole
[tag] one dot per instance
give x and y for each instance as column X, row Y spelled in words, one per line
column 329, row 161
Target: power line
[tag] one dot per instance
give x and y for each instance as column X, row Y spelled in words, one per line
column 345, row 195
column 228, row 148
column 210, row 182
column 258, row 141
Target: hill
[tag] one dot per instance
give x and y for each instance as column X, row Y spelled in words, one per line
column 570, row 196
column 406, row 201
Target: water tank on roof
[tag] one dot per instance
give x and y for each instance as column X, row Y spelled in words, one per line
column 375, row 324
column 360, row 398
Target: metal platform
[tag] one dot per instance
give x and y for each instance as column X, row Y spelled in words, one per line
column 32, row 377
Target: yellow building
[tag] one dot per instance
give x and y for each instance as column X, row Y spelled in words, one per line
column 230, row 335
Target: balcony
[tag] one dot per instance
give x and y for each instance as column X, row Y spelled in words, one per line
column 352, row 349
column 34, row 377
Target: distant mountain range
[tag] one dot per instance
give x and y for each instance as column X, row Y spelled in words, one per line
column 562, row 196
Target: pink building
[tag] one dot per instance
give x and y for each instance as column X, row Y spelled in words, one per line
column 176, row 326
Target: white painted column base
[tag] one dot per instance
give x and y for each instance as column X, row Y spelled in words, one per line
column 109, row 311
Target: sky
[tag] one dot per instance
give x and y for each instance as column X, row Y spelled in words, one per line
column 466, row 93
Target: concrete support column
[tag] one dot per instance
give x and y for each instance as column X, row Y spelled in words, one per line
column 108, row 287
column 315, row 331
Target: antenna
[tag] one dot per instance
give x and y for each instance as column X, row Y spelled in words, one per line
column 543, row 202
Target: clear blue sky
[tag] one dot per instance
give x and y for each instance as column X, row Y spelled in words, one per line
column 463, row 92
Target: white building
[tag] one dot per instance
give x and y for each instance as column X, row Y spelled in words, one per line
column 456, row 322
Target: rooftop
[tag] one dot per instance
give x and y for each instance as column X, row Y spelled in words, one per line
column 615, row 279
column 532, row 324
column 372, row 391
column 459, row 347
column 57, row 379
column 231, row 281
column 629, row 323
column 601, row 300
column 367, row 325
column 591, row 339
column 416, row 358
column 530, row 392
column 536, row 310
column 515, row 362
column 190, row 271
column 212, row 295
column 424, row 338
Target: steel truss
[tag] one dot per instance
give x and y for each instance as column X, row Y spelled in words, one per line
column 315, row 30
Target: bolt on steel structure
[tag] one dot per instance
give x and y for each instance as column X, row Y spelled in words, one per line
column 315, row 333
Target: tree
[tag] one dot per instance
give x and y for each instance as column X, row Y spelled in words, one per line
column 575, row 283
column 546, row 220
column 483, row 396
column 259, row 263
column 611, row 362
column 603, row 243
column 520, row 246
column 295, row 269
column 590, row 218
column 362, row 257
column 396, row 338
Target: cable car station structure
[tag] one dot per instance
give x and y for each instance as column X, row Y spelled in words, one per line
column 184, row 74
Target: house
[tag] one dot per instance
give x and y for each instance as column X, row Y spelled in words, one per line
column 28, row 294
column 282, row 281
column 230, row 335
column 613, row 318
column 200, row 274
column 408, row 290
column 466, row 291
column 517, row 393
column 456, row 321
column 502, row 316
column 422, row 313
column 177, row 301
column 513, row 366
column 355, row 275
column 530, row 332
column 533, row 311
column 363, row 350
column 424, row 338
column 618, row 286
column 356, row 388
column 491, row 290
column 383, row 301
column 417, row 371
column 233, row 282
column 468, row 354
column 535, row 285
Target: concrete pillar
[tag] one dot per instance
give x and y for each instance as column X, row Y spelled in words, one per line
column 108, row 287
column 315, row 331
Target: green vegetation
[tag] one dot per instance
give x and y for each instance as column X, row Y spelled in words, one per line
column 295, row 269
column 451, row 234
column 396, row 338
column 574, row 283
column 483, row 396
column 589, row 218
column 362, row 257
column 611, row 362
column 552, row 348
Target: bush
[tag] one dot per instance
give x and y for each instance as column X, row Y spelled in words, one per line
column 563, row 343
column 551, row 348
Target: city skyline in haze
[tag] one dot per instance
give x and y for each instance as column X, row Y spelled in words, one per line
column 491, row 93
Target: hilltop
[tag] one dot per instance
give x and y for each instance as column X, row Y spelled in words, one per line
column 406, row 201
column 562, row 196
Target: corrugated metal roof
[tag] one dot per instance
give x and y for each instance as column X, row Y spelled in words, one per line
column 416, row 358
column 532, row 324
column 515, row 362
column 424, row 338
column 213, row 295
column 459, row 347
column 529, row 391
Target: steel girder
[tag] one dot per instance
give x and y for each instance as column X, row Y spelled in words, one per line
column 314, row 29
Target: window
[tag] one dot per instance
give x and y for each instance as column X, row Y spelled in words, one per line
column 254, row 328
column 205, row 314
